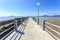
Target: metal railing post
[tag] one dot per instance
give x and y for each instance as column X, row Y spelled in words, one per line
column 43, row 25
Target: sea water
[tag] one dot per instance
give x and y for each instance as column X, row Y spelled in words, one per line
column 48, row 17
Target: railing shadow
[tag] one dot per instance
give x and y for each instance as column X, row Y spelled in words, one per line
column 20, row 32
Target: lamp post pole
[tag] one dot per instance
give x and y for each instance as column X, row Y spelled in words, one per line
column 38, row 4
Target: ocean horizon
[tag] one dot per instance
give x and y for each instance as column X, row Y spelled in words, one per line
column 9, row 18
column 48, row 17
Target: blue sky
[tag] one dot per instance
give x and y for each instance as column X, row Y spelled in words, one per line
column 29, row 7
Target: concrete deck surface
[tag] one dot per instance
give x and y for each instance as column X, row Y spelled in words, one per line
column 30, row 31
column 35, row 32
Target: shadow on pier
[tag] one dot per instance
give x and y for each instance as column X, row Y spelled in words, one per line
column 9, row 27
column 20, row 32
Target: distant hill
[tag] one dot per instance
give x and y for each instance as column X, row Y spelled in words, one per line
column 51, row 16
column 45, row 16
column 8, row 18
column 56, row 16
column 48, row 16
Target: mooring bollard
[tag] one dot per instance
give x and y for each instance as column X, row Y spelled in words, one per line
column 43, row 25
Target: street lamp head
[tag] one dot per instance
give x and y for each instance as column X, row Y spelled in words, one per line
column 38, row 4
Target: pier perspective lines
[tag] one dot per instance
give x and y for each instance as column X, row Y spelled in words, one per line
column 13, row 29
column 28, row 29
column 34, row 32
column 16, row 35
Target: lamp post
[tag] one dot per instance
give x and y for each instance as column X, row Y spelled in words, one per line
column 38, row 4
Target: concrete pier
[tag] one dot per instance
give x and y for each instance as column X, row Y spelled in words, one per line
column 35, row 32
column 29, row 30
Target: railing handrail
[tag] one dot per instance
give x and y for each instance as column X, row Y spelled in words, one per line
column 46, row 24
column 6, row 25
column 7, row 34
column 53, row 30
column 6, row 30
column 53, row 35
column 52, row 24
column 13, row 24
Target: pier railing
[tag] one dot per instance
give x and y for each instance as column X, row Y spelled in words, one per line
column 52, row 29
column 7, row 27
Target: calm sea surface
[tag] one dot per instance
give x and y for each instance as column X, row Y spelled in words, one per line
column 5, row 18
column 8, row 18
column 49, row 17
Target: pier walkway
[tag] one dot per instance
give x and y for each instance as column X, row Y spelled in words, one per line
column 29, row 30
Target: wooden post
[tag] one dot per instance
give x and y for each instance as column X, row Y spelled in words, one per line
column 43, row 25
column 15, row 25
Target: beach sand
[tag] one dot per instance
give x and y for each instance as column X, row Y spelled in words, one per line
column 55, row 22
